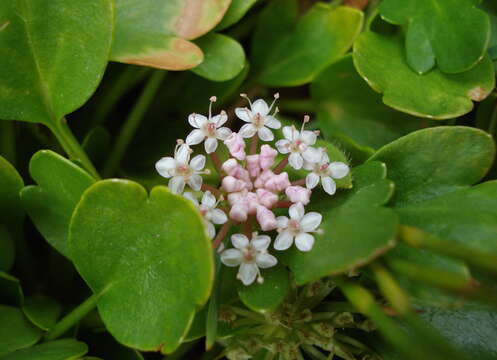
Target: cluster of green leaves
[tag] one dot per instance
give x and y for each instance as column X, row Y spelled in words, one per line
column 410, row 240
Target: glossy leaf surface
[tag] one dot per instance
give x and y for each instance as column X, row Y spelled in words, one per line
column 236, row 11
column 16, row 332
column 66, row 349
column 42, row 311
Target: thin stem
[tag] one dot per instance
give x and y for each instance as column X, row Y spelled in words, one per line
column 222, row 234
column 72, row 147
column 391, row 290
column 247, row 226
column 247, row 313
column 253, row 144
column 132, row 122
column 281, row 165
column 300, row 182
column 212, row 189
column 73, row 317
column 216, row 161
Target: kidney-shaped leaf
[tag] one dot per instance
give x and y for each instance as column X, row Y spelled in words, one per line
column 381, row 62
column 66, row 349
column 356, row 227
column 452, row 33
column 433, row 170
column 50, row 204
column 52, row 56
column 147, row 257
column 16, row 332
column 321, row 36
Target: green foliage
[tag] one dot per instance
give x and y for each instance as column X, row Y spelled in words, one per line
column 19, row 334
column 67, row 349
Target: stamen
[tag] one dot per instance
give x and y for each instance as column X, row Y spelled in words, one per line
column 276, row 97
column 212, row 100
column 306, row 120
column 243, row 95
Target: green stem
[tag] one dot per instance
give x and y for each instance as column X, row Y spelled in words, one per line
column 72, row 147
column 8, row 141
column 132, row 122
column 73, row 317
column 391, row 290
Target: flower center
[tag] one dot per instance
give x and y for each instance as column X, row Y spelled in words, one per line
column 294, row 226
column 322, row 170
column 210, row 129
column 298, row 146
column 184, row 170
column 249, row 254
column 258, row 121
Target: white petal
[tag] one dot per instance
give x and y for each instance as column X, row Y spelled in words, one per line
column 176, row 184
column 195, row 182
column 261, row 242
column 313, row 155
column 191, row 197
column 247, row 131
column 283, row 241
column 283, row 146
column 210, row 145
column 183, row 154
column 239, row 241
column 309, row 137
column 311, row 180
column 296, row 211
column 308, row 165
column 198, row 162
column 231, row 257
column 223, row 133
column 310, row 221
column 296, row 161
column 244, row 114
column 282, row 222
column 338, row 170
column 211, row 230
column 218, row 216
column 195, row 137
column 247, row 273
column 290, row 133
column 260, row 106
column 220, row 119
column 165, row 165
column 265, row 134
column 329, row 185
column 208, row 199
column 272, row 122
column 197, row 120
column 265, row 260
column 304, row 242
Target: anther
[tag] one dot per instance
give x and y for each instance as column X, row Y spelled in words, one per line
column 213, row 99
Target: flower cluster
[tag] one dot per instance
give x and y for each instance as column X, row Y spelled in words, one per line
column 253, row 184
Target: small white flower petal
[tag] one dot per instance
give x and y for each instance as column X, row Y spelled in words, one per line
column 218, row 216
column 259, row 106
column 247, row 273
column 338, row 170
column 198, row 162
column 165, row 165
column 211, row 230
column 296, row 161
column 290, row 133
column 312, row 155
column 208, row 199
column 296, row 211
column 283, row 241
column 183, row 154
column 244, row 114
column 231, row 257
column 282, row 222
column 329, row 185
column 247, row 131
column 311, row 180
column 210, row 145
column 220, row 119
column 261, row 242
column 304, row 242
column 283, row 146
column 272, row 122
column 195, row 137
column 191, row 197
column 309, row 137
column 265, row 260
column 265, row 134
column 192, row 119
column 239, row 241
column 310, row 221
column 176, row 184
column 195, row 182
column 223, row 133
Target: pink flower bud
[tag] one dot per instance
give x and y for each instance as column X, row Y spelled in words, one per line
column 260, row 182
column 266, row 198
column 236, row 146
column 235, row 197
column 239, row 212
column 268, row 154
column 253, row 165
column 278, row 182
column 298, row 194
column 232, row 184
column 252, row 202
column 229, row 166
column 266, row 219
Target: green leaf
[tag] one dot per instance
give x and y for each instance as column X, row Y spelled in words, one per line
column 452, row 33
column 224, row 57
column 66, row 349
column 349, row 107
column 297, row 52
column 50, row 204
column 270, row 294
column 16, row 332
column 10, row 290
column 52, row 56
column 7, row 250
column 433, row 170
column 146, row 257
column 380, row 61
column 156, row 33
column 356, row 227
column 42, row 311
column 236, row 11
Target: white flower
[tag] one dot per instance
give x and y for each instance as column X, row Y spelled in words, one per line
column 296, row 142
column 297, row 228
column 181, row 170
column 250, row 256
column 208, row 211
column 318, row 162
column 209, row 128
column 258, row 119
